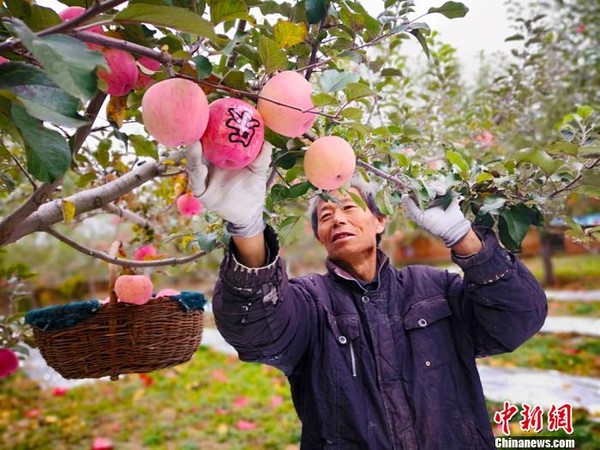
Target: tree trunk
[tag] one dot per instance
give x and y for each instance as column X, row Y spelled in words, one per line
column 546, row 244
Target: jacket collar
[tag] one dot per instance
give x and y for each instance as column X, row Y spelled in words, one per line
column 336, row 271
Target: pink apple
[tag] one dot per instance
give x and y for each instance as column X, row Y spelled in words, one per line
column 9, row 363
column 136, row 289
column 188, row 205
column 75, row 11
column 145, row 252
column 167, row 292
column 121, row 74
column 150, row 65
column 291, row 95
column 234, row 134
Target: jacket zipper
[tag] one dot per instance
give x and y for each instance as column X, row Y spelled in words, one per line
column 352, row 359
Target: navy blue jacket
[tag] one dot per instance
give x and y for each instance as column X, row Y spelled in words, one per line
column 390, row 365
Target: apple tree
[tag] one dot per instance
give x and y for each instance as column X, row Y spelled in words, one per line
column 73, row 141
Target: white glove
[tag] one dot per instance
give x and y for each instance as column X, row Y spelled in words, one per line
column 237, row 195
column 449, row 224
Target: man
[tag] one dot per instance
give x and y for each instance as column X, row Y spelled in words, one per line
column 377, row 358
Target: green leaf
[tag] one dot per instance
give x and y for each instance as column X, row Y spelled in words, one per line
column 223, row 11
column 457, row 159
column 539, row 158
column 382, row 200
column 289, row 230
column 483, row 176
column 102, row 154
column 356, row 198
column 585, row 111
column 513, row 225
column 322, row 99
column 589, row 151
column 47, row 152
column 299, row 189
column 422, row 40
column 143, row 147
column 588, row 191
column 203, row 66
column 271, row 55
column 66, row 60
column 181, row 19
column 391, row 72
column 42, row 98
column 355, row 91
column 235, row 79
column 207, row 242
column 333, row 80
column 285, row 160
column 515, row 37
column 352, row 113
column 315, row 10
column 451, row 10
column 567, row 148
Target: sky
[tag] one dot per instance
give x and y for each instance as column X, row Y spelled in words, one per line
column 483, row 29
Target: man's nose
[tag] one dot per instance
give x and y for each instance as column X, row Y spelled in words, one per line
column 338, row 217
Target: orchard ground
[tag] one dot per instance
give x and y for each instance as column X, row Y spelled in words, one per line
column 217, row 402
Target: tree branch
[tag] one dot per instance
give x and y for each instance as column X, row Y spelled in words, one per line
column 125, row 262
column 69, row 25
column 127, row 215
column 52, row 212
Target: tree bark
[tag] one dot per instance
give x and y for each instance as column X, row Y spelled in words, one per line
column 546, row 249
column 52, row 212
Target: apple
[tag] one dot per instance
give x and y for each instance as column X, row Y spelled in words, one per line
column 175, row 112
column 329, row 162
column 121, row 74
column 75, row 11
column 9, row 363
column 234, row 134
column 136, row 289
column 293, row 96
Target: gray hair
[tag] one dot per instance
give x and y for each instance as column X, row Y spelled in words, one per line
column 368, row 191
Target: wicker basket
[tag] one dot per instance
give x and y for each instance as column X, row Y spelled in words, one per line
column 93, row 340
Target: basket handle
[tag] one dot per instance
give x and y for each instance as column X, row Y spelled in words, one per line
column 112, row 271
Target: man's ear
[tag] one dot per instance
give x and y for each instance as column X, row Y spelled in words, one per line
column 381, row 223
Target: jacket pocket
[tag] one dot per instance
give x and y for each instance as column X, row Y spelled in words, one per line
column 346, row 330
column 428, row 333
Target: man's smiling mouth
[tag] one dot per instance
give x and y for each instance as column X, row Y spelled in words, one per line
column 341, row 235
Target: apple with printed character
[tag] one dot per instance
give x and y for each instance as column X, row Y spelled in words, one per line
column 234, row 134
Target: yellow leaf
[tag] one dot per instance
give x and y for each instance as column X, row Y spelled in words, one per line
column 116, row 108
column 288, row 34
column 137, row 395
column 222, row 429
column 50, row 419
column 68, row 209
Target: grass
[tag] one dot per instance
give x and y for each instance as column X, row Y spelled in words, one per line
column 567, row 353
column 577, row 272
column 574, row 308
column 213, row 402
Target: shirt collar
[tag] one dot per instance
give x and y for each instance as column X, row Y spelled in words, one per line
column 382, row 262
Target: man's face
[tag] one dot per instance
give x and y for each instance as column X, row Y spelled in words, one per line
column 346, row 230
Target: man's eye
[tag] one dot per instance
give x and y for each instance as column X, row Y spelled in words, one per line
column 325, row 216
column 347, row 207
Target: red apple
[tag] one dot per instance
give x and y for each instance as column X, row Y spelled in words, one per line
column 234, row 134
column 136, row 289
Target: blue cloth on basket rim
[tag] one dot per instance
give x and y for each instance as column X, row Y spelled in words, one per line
column 57, row 317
